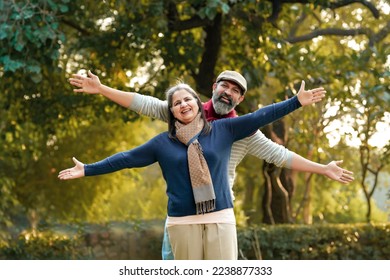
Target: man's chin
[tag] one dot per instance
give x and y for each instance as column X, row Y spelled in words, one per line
column 222, row 108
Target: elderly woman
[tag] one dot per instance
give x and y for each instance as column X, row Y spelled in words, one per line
column 194, row 162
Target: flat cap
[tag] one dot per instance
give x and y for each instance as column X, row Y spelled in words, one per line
column 235, row 77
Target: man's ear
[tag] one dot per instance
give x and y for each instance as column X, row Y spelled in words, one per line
column 242, row 97
column 214, row 86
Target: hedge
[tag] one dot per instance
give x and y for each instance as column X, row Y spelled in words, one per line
column 278, row 242
column 316, row 242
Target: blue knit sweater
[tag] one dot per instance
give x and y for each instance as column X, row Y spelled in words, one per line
column 172, row 157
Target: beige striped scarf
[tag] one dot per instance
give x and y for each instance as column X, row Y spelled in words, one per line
column 202, row 185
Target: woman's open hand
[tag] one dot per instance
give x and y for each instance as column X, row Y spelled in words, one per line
column 72, row 173
column 308, row 97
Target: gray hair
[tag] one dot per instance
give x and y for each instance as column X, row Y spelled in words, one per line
column 171, row 119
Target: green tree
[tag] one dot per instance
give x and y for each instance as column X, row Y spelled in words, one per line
column 275, row 44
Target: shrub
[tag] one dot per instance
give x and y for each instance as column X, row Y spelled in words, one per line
column 41, row 246
column 316, row 242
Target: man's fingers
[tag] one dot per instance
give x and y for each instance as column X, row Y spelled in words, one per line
column 75, row 82
column 90, row 74
column 78, row 76
column 346, row 180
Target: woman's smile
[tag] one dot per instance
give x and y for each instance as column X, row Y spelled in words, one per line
column 184, row 106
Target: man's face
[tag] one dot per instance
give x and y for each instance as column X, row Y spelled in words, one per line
column 226, row 96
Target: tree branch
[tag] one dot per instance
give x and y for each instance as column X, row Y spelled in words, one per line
column 276, row 9
column 329, row 32
column 367, row 4
column 277, row 5
column 373, row 38
column 175, row 24
column 194, row 22
column 381, row 35
column 75, row 26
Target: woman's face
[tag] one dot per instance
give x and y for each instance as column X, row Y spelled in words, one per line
column 184, row 106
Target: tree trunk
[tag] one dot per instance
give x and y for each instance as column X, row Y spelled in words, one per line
column 307, row 214
column 279, row 184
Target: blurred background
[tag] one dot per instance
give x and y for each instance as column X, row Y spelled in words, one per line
column 145, row 46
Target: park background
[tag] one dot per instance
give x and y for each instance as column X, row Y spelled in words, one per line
column 146, row 46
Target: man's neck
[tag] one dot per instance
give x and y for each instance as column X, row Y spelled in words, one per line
column 211, row 115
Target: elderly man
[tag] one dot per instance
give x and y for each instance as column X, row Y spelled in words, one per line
column 227, row 92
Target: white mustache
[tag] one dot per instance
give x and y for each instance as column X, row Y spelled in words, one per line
column 227, row 97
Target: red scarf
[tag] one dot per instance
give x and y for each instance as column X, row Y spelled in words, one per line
column 211, row 115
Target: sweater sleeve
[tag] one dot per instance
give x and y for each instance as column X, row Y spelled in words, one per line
column 138, row 157
column 246, row 125
column 150, row 106
column 263, row 148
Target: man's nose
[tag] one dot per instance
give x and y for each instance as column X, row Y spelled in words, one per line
column 228, row 91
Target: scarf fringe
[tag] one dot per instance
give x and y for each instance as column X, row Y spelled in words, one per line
column 205, row 207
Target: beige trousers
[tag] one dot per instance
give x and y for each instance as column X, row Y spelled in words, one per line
column 204, row 242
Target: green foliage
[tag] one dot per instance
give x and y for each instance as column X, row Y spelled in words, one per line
column 212, row 8
column 143, row 239
column 30, row 31
column 248, row 190
column 43, row 246
column 104, row 198
column 7, row 202
column 318, row 242
column 43, row 124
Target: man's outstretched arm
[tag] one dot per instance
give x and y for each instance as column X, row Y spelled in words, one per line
column 92, row 85
column 141, row 104
column 153, row 107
